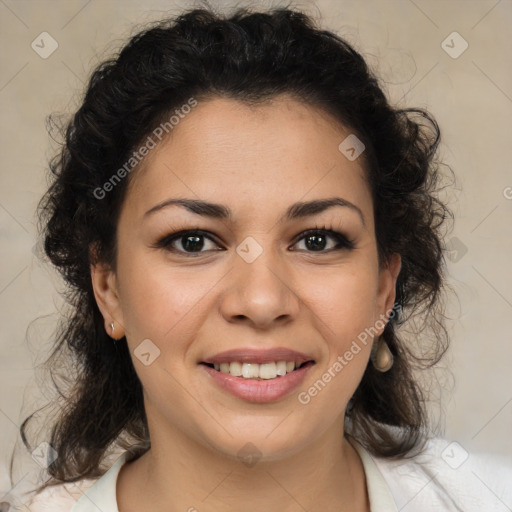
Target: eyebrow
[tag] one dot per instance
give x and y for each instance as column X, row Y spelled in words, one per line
column 219, row 211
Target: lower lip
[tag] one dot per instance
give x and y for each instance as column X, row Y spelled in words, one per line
column 259, row 391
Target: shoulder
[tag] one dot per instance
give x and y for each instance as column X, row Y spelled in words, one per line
column 446, row 477
column 76, row 496
column 56, row 498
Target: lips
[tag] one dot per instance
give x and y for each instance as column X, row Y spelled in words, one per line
column 235, row 371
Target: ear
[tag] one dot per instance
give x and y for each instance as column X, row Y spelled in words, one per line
column 387, row 286
column 104, row 283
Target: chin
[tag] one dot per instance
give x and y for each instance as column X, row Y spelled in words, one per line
column 260, row 441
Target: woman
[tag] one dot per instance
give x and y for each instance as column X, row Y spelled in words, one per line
column 247, row 226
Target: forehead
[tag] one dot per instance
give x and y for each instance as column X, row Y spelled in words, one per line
column 268, row 156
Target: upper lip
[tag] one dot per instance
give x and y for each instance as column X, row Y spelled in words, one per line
column 258, row 356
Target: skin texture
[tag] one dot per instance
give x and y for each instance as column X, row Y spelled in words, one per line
column 257, row 161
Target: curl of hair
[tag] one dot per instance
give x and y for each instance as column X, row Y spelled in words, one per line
column 250, row 57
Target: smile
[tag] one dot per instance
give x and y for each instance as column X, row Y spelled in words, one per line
column 264, row 371
column 256, row 389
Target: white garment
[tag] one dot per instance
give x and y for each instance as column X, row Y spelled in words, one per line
column 443, row 478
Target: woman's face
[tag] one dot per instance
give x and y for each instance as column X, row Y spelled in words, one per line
column 251, row 287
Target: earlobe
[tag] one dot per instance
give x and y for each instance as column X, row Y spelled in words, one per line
column 105, row 289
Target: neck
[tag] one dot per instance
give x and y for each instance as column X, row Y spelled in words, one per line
column 184, row 475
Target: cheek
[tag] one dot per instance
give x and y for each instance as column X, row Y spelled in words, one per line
column 344, row 301
column 158, row 302
column 344, row 309
column 344, row 306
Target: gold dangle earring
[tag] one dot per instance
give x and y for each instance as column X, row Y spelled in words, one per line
column 381, row 356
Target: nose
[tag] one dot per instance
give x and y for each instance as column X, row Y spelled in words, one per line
column 260, row 294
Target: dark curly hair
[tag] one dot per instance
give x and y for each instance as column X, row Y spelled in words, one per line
column 251, row 57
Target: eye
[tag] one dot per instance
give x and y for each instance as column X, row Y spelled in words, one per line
column 187, row 242
column 317, row 240
column 195, row 242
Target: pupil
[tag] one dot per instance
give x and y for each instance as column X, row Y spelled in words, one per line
column 193, row 243
column 315, row 245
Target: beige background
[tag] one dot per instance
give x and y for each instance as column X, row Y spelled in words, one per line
column 471, row 97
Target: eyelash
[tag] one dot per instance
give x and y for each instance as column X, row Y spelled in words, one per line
column 342, row 242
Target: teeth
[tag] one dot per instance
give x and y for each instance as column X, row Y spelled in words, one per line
column 281, row 368
column 263, row 371
column 250, row 371
column 236, row 369
column 268, row 371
